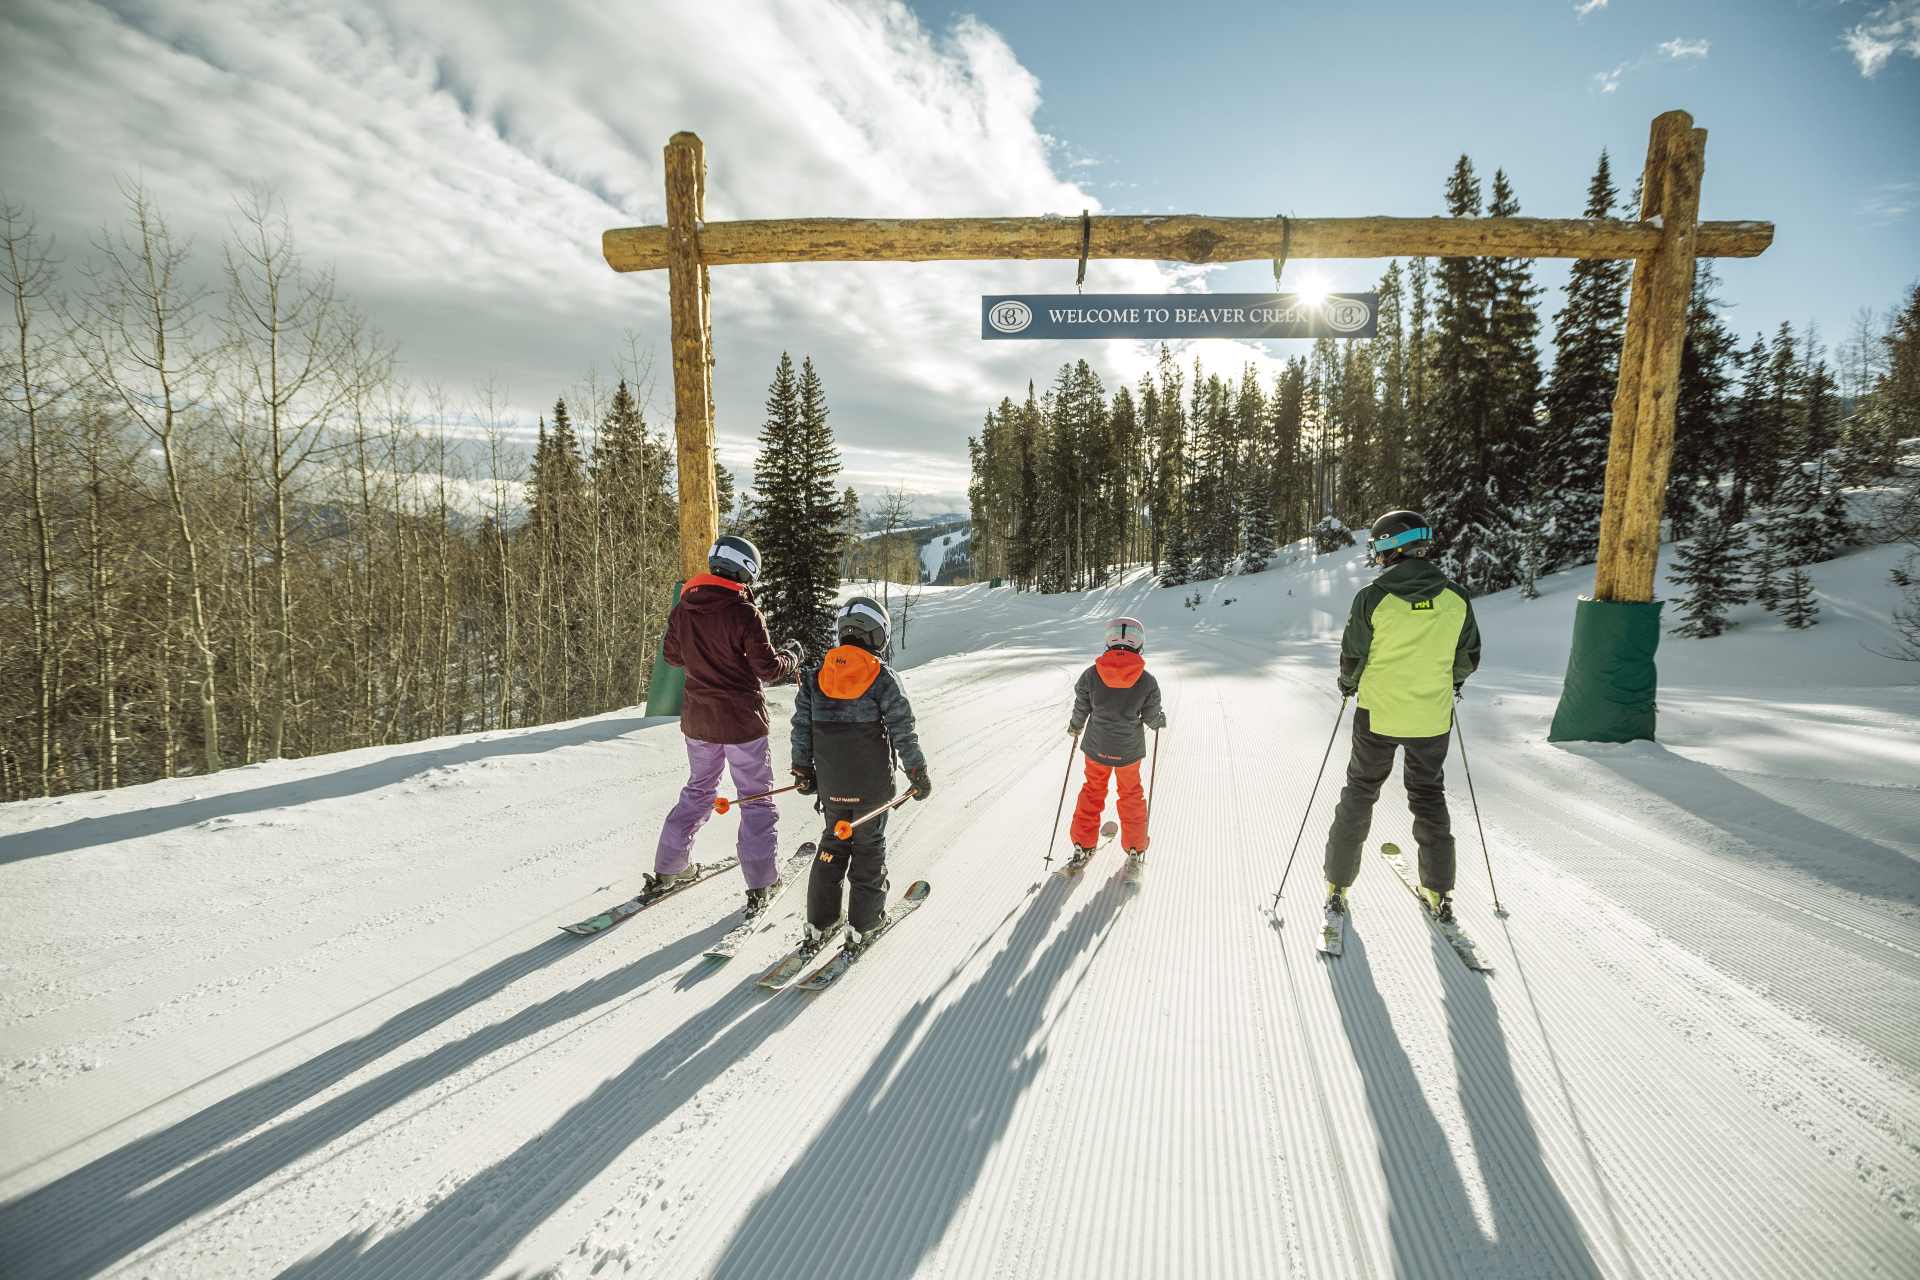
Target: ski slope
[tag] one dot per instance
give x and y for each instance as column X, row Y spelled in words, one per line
column 314, row 1018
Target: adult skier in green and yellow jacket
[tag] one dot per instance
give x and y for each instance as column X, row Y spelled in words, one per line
column 1410, row 644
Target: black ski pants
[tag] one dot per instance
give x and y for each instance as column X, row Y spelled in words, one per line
column 1367, row 768
column 862, row 857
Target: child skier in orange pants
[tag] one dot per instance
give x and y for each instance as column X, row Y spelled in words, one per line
column 1115, row 701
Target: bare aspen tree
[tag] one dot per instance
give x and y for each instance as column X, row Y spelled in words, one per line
column 492, row 424
column 27, row 276
column 291, row 344
column 140, row 343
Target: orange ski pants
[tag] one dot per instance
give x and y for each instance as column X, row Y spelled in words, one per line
column 1093, row 802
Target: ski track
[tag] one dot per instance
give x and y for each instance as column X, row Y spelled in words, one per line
column 1034, row 1075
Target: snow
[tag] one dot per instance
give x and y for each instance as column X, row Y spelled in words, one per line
column 934, row 554
column 314, row 1017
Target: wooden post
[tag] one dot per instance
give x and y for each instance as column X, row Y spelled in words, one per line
column 692, row 350
column 1641, row 450
column 1612, row 680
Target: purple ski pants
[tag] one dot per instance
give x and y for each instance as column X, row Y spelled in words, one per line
column 751, row 764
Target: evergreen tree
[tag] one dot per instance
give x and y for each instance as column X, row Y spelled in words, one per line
column 1389, row 352
column 799, row 513
column 1586, row 369
column 1800, row 610
column 1459, row 458
column 1749, row 464
column 1708, row 567
column 1703, row 434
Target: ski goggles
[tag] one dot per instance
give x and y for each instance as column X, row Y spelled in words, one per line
column 1401, row 539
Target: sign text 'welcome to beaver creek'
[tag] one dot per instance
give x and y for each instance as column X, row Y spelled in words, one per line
column 1180, row 315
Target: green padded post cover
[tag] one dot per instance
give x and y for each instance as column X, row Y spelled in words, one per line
column 668, row 685
column 1611, row 678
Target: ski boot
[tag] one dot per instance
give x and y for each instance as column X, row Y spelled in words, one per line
column 1439, row 905
column 758, row 900
column 1336, row 899
column 1136, row 858
column 656, row 884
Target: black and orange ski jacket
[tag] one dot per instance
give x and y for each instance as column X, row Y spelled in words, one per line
column 850, row 720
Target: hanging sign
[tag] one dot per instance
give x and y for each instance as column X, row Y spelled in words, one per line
column 1178, row 315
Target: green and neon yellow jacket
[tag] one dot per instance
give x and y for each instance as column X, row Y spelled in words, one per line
column 1410, row 641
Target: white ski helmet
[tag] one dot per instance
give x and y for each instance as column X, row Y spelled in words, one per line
column 863, row 621
column 1126, row 633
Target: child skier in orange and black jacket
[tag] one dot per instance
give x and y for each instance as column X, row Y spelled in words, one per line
column 851, row 720
column 1115, row 701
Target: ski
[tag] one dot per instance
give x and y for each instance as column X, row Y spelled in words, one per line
column 724, row 949
column 1078, row 862
column 795, row 962
column 1333, row 934
column 833, row 970
column 641, row 901
column 1456, row 936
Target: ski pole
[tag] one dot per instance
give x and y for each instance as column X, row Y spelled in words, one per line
column 1338, row 717
column 1154, row 776
column 842, row 829
column 721, row 804
column 1484, row 856
column 1061, row 807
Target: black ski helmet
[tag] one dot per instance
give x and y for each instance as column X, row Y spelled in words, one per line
column 1397, row 534
column 863, row 621
column 734, row 558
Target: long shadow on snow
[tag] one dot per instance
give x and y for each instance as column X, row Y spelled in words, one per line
column 472, row 1231
column 1806, row 844
column 120, row 1202
column 86, row 832
column 879, row 1185
column 1430, row 1217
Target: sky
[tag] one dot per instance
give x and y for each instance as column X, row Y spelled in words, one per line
column 456, row 163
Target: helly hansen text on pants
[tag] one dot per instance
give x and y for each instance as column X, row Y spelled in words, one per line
column 861, row 858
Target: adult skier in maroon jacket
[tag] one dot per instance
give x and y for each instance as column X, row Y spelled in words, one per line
column 717, row 635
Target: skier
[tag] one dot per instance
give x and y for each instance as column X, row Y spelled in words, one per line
column 1410, row 644
column 716, row 633
column 851, row 719
column 1115, row 700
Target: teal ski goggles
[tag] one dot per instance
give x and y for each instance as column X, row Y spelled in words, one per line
column 1402, row 539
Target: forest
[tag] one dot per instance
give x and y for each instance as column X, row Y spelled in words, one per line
column 1447, row 410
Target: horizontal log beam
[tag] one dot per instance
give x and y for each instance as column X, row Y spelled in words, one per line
column 1169, row 238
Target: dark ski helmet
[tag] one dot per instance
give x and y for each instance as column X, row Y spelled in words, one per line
column 1397, row 534
column 1126, row 633
column 863, row 621
column 734, row 558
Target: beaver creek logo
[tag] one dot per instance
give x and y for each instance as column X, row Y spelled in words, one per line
column 1010, row 316
column 1345, row 315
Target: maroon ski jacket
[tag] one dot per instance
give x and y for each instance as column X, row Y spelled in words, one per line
column 717, row 634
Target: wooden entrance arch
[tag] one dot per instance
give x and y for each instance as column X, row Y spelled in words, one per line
column 1610, row 683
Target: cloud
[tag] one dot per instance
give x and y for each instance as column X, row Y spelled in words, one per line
column 1609, row 81
column 458, row 166
column 1892, row 29
column 1588, row 6
column 1891, row 201
column 1683, row 49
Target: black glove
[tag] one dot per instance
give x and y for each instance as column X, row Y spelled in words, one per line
column 1347, row 690
column 1456, row 690
column 922, row 784
column 803, row 779
column 1072, row 731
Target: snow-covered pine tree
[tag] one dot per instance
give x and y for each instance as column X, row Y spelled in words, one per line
column 1513, row 356
column 1176, row 558
column 1702, row 439
column 1748, row 442
column 1709, row 567
column 1586, row 369
column 1458, row 448
column 1799, row 608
